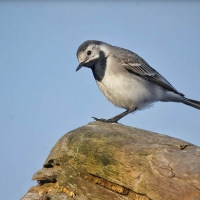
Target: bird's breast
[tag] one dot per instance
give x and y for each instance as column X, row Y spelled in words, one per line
column 118, row 90
column 127, row 91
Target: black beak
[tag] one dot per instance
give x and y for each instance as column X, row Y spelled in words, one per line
column 80, row 65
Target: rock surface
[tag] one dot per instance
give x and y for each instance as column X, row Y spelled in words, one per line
column 102, row 161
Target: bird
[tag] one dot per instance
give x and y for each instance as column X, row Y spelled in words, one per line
column 126, row 79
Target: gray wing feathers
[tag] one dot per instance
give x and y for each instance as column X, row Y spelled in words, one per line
column 136, row 65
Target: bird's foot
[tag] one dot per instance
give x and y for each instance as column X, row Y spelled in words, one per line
column 117, row 117
column 106, row 120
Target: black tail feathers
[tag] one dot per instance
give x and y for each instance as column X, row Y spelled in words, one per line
column 193, row 103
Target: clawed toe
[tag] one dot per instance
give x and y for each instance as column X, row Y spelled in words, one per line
column 100, row 120
column 105, row 120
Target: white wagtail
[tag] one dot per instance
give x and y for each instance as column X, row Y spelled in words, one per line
column 126, row 79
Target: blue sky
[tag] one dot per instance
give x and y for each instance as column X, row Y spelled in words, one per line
column 42, row 97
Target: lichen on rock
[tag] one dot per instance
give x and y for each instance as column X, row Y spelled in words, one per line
column 112, row 161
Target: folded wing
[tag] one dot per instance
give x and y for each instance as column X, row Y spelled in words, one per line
column 136, row 65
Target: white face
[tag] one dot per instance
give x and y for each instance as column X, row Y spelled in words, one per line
column 91, row 53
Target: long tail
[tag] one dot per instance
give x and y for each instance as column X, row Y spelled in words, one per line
column 193, row 103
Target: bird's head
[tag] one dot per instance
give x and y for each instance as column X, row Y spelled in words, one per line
column 88, row 53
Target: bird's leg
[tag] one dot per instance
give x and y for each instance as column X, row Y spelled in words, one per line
column 117, row 117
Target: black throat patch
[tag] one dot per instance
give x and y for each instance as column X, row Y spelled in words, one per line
column 99, row 67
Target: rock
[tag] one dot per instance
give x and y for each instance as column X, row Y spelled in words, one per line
column 102, row 161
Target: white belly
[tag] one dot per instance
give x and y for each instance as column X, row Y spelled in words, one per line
column 127, row 91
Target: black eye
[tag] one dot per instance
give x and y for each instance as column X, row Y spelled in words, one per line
column 89, row 52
